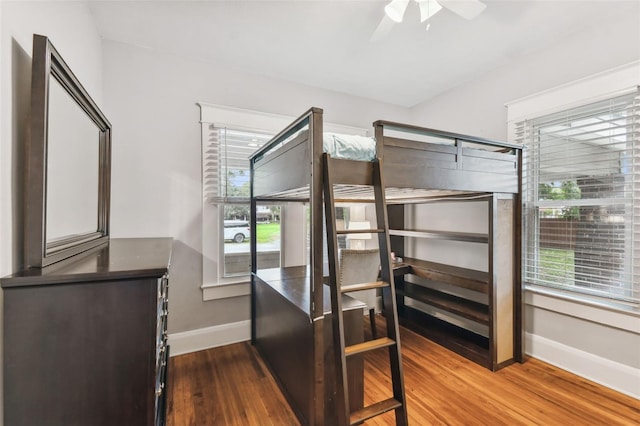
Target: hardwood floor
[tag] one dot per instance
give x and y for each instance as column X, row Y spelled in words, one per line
column 231, row 385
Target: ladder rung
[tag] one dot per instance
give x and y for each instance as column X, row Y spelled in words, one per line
column 360, row 231
column 369, row 345
column 374, row 410
column 363, row 286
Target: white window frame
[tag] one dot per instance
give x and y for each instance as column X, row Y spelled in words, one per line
column 247, row 120
column 214, row 285
column 598, row 87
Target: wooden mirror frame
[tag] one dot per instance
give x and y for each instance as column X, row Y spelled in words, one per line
column 47, row 63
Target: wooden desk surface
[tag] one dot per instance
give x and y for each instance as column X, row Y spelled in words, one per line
column 293, row 283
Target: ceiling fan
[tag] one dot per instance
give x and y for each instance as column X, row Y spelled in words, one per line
column 395, row 10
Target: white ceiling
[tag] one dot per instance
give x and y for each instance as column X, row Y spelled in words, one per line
column 326, row 44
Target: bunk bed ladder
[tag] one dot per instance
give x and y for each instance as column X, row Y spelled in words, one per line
column 346, row 173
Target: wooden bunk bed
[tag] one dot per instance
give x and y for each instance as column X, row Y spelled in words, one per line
column 289, row 306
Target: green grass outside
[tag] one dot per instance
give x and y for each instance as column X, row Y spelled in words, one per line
column 268, row 232
column 556, row 265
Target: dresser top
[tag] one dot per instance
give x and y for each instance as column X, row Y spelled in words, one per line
column 122, row 258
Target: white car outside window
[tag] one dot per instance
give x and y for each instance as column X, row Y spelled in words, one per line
column 236, row 230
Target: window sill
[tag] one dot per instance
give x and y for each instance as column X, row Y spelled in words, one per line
column 613, row 314
column 226, row 290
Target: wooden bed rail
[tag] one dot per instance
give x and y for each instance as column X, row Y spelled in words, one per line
column 296, row 125
column 408, row 128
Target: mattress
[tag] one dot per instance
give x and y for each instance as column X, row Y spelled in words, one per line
column 350, row 147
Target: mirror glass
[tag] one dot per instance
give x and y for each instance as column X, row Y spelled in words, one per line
column 72, row 167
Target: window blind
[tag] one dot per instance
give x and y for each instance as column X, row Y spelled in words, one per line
column 225, row 163
column 581, row 181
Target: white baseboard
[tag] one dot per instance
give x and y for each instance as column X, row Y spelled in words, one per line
column 209, row 337
column 222, row 291
column 620, row 377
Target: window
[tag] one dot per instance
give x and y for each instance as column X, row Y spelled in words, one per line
column 226, row 153
column 229, row 136
column 582, row 198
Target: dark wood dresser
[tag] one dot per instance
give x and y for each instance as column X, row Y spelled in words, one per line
column 85, row 340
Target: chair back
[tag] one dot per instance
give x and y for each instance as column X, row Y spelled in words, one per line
column 359, row 266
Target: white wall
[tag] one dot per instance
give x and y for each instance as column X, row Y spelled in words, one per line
column 71, row 29
column 598, row 344
column 150, row 99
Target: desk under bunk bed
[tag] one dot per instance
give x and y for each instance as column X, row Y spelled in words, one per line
column 290, row 313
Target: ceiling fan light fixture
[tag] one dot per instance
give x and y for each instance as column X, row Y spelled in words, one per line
column 428, row 8
column 395, row 10
column 468, row 9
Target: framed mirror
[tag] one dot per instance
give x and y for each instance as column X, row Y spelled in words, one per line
column 68, row 164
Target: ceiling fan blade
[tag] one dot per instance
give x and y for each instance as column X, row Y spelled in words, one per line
column 383, row 29
column 468, row 9
column 428, row 8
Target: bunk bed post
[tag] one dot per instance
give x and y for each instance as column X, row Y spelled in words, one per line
column 378, row 129
column 316, row 282
column 492, row 207
column 503, row 290
column 253, row 247
column 315, row 196
column 517, row 265
column 395, row 215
